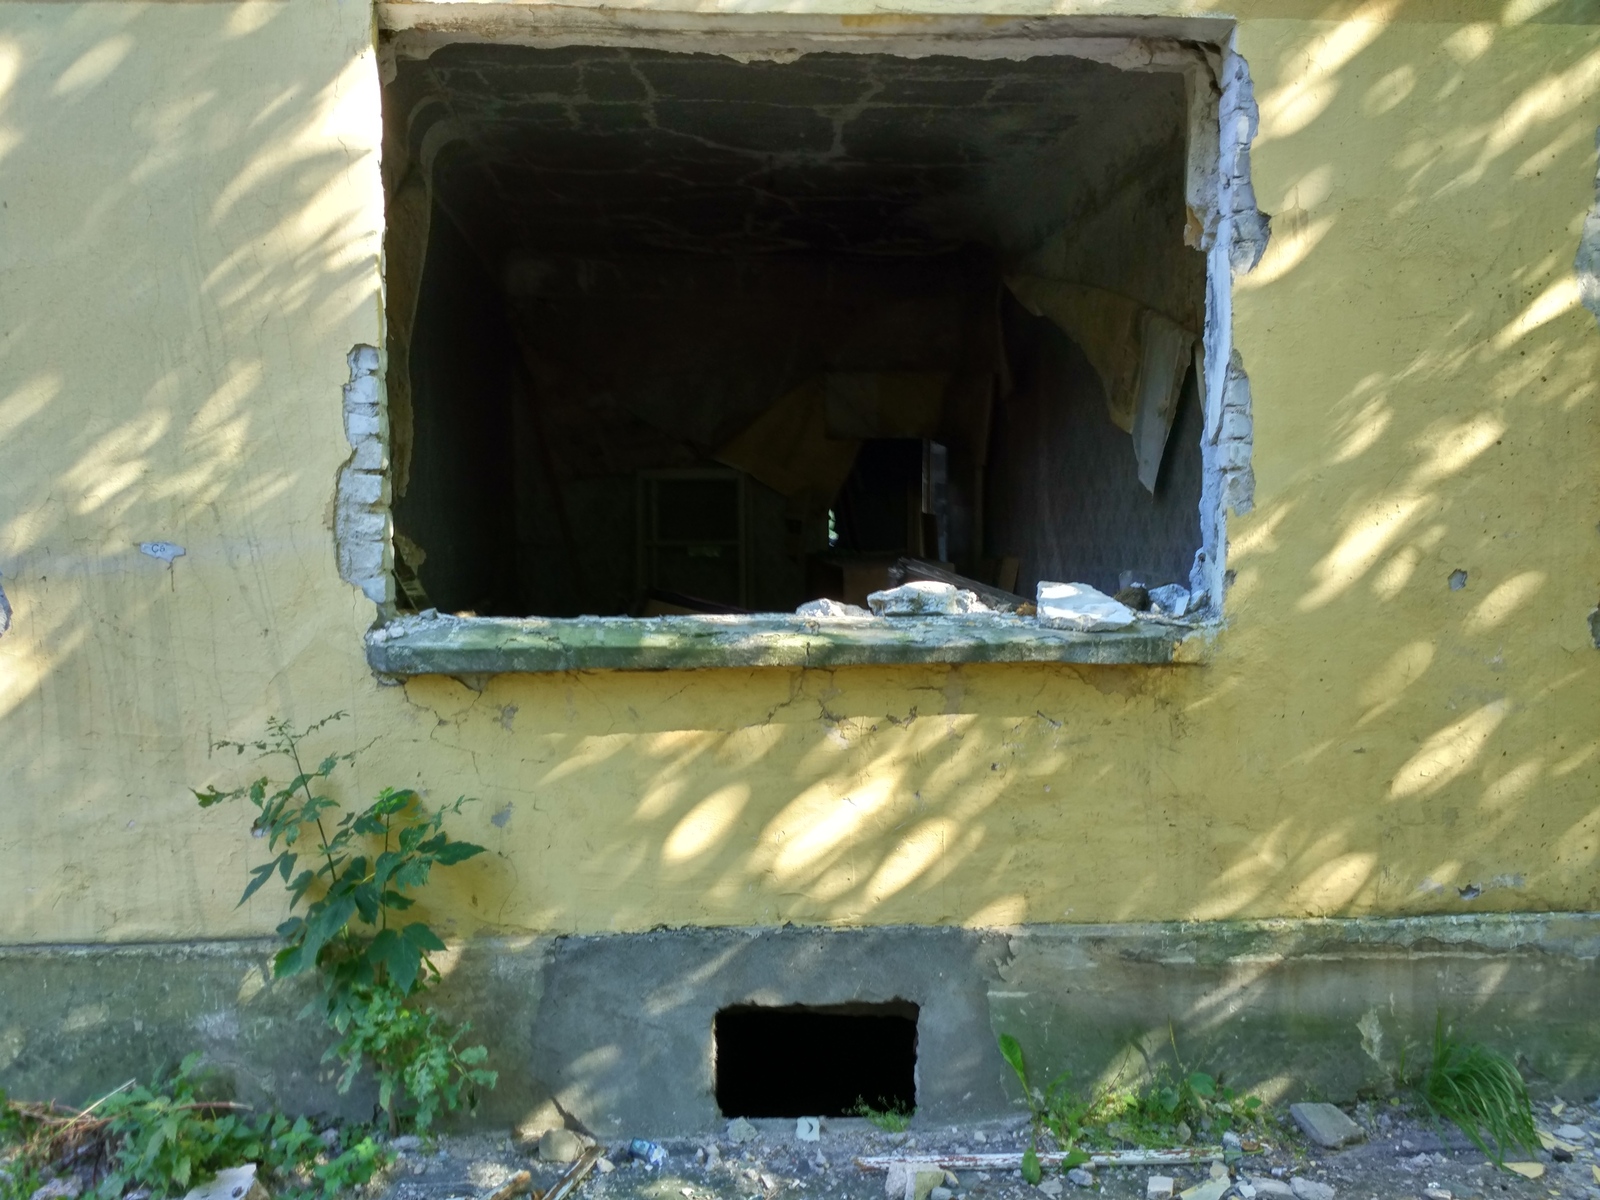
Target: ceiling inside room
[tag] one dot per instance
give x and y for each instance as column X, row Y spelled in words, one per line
column 586, row 150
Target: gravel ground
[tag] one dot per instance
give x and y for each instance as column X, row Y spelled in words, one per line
column 1403, row 1156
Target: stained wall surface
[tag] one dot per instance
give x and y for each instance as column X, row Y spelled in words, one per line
column 190, row 233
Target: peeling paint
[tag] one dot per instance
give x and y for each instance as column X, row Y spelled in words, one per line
column 165, row 551
column 5, row 612
column 361, row 504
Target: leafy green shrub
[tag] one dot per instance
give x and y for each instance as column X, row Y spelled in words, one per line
column 1479, row 1090
column 351, row 884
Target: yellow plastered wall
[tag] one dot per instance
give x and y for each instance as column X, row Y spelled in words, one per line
column 190, row 227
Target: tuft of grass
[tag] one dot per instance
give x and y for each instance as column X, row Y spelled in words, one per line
column 894, row 1119
column 1481, row 1092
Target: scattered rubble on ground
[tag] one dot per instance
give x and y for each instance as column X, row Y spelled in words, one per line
column 1403, row 1157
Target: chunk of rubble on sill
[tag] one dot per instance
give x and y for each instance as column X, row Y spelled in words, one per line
column 926, row 598
column 432, row 643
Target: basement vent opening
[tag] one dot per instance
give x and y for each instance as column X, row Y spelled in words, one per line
column 824, row 1061
column 679, row 333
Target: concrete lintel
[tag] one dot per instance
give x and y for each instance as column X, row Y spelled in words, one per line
column 442, row 645
column 416, row 28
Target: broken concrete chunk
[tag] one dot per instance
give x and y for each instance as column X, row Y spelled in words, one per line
column 912, row 1181
column 1571, row 1133
column 1079, row 1177
column 1170, row 600
column 830, row 608
column 925, row 598
column 1158, row 1187
column 1135, row 595
column 236, row 1183
column 1270, row 1187
column 1052, row 1188
column 1326, row 1125
column 1211, row 1189
column 941, row 1193
column 1079, row 606
column 560, row 1146
column 740, row 1131
column 1310, row 1189
column 808, row 1129
column 519, row 1184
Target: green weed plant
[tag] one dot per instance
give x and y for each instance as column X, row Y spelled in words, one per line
column 350, row 874
column 1166, row 1111
column 892, row 1118
column 1481, row 1092
column 166, row 1138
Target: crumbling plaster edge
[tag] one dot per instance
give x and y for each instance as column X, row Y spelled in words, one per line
column 1587, row 266
column 1587, row 261
column 1228, row 442
column 361, row 526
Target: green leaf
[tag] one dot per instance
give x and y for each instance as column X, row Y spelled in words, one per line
column 1011, row 1051
column 207, row 799
column 1203, row 1085
column 367, row 902
column 324, row 924
column 400, row 957
column 258, row 876
column 453, row 852
column 1074, row 1158
column 420, row 936
column 1031, row 1171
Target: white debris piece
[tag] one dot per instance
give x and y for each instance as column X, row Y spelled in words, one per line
column 1159, row 1187
column 808, row 1129
column 1270, row 1187
column 1079, row 606
column 236, row 1183
column 925, row 598
column 830, row 608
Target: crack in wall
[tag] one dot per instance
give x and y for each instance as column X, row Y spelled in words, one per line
column 361, row 498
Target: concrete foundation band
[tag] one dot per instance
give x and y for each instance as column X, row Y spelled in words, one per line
column 614, row 1033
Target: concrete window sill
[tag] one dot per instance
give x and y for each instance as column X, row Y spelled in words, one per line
column 441, row 645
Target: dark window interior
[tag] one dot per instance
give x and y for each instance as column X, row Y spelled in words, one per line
column 816, row 1062
column 695, row 335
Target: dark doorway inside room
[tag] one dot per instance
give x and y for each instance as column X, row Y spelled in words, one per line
column 690, row 334
column 799, row 1061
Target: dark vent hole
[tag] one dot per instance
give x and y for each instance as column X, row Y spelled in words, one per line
column 822, row 1061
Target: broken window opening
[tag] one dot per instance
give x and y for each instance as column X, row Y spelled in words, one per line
column 698, row 335
column 822, row 1061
